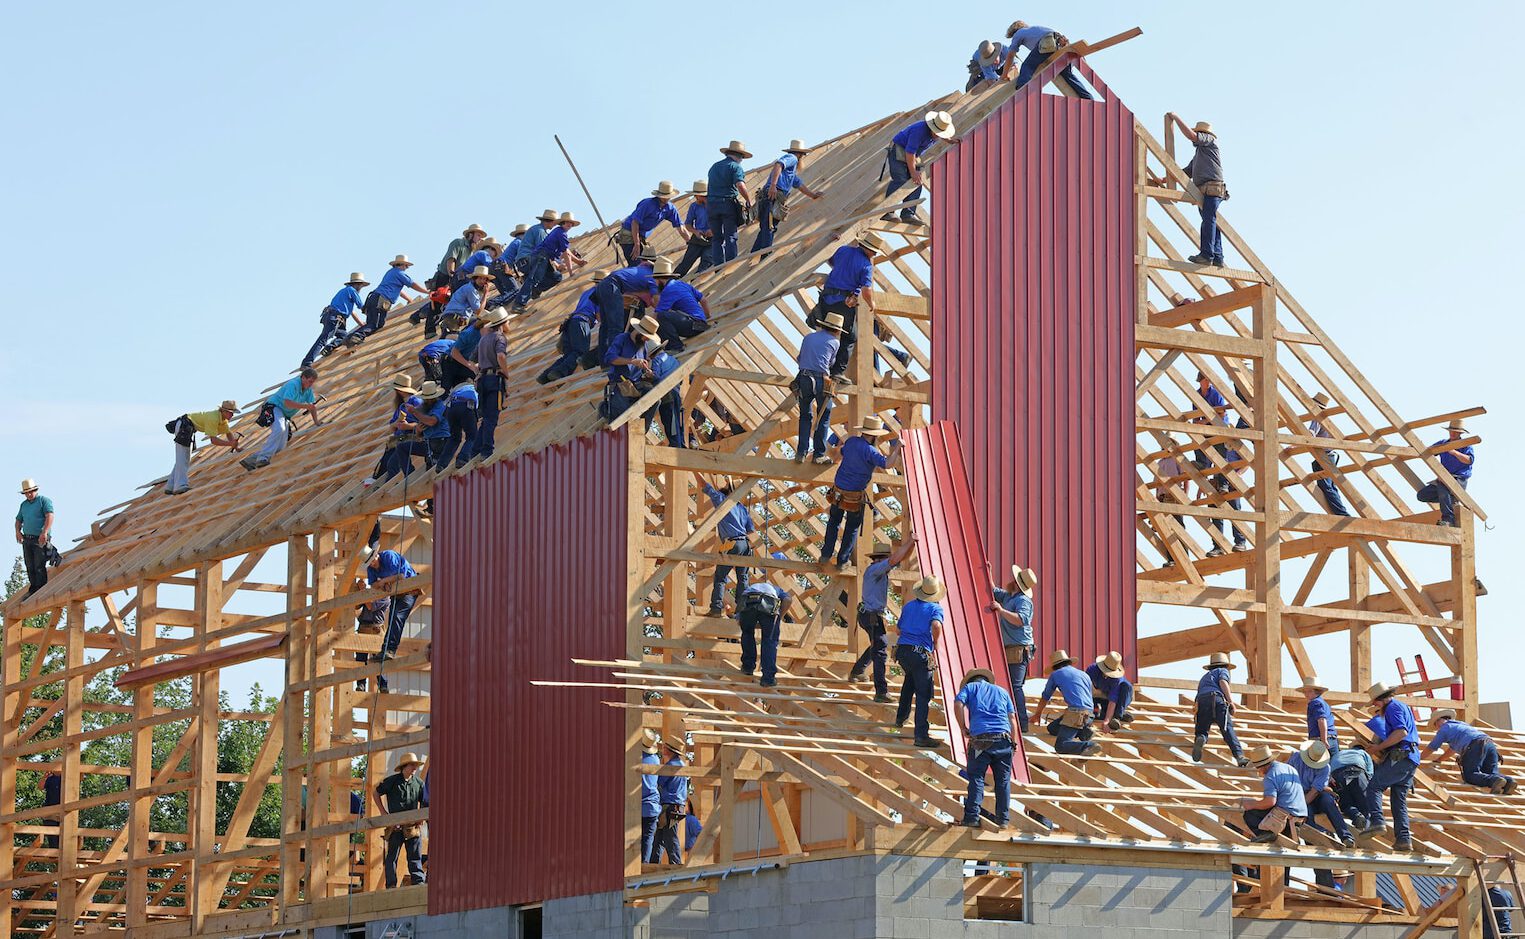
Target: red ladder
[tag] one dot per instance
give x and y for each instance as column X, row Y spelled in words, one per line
column 1419, row 672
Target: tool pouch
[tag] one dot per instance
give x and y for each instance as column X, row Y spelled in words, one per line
column 183, row 429
column 622, row 236
column 848, row 501
column 1076, row 717
column 266, row 415
column 1215, row 188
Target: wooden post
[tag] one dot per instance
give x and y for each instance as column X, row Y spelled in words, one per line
column 1267, row 640
column 140, row 808
column 203, row 820
column 10, row 674
column 1360, row 633
column 71, row 906
column 635, row 617
column 1464, row 578
column 293, row 776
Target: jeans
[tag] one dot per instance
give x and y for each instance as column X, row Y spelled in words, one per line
column 1124, row 700
column 397, row 618
column 1331, row 493
column 917, row 688
column 576, row 339
column 1325, row 804
column 34, row 555
column 489, row 387
column 1480, row 763
column 1395, row 774
column 539, row 269
column 725, row 221
column 900, row 174
column 1017, row 672
column 395, row 842
column 815, row 412
column 1034, row 62
column 403, row 452
column 462, row 445
column 331, row 334
column 770, row 625
column 670, row 410
column 765, row 226
column 997, row 759
column 1212, row 710
column 1435, row 492
column 648, row 838
column 280, row 435
column 1069, row 740
column 1222, row 484
column 1212, row 238
column 741, row 548
column 878, row 651
column 376, row 309
column 849, row 537
column 1350, row 792
column 667, row 841
column 697, row 251
column 180, row 476
column 611, row 314
column 673, row 327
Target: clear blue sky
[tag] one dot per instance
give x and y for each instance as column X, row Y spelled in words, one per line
column 187, row 184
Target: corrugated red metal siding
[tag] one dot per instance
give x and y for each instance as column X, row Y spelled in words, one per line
column 950, row 545
column 1033, row 302
column 529, row 789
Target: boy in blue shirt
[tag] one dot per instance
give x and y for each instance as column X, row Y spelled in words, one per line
column 428, row 429
column 1112, row 692
column 628, row 361
column 384, row 570
column 346, row 303
column 812, row 387
column 1281, row 798
column 903, row 159
column 697, row 220
column 1312, row 764
column 1350, row 769
column 651, row 802
column 1396, row 766
column 672, row 791
column 1320, row 715
column 1013, row 608
column 871, row 615
column 1072, row 729
column 1458, row 461
column 988, row 721
column 1474, row 750
column 736, row 527
column 849, row 492
column 783, row 178
column 920, row 626
column 761, row 607
column 1216, row 707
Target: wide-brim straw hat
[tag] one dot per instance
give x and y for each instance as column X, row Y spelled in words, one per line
column 567, row 218
column 796, row 146
column 493, row 317
column 357, row 278
column 871, row 240
column 873, row 426
column 974, row 673
column 473, row 227
column 1059, row 657
column 401, row 261
column 1380, row 690
column 409, row 759
column 666, row 190
column 431, row 390
column 1315, row 753
column 1260, row 755
column 648, row 252
column 1457, row 426
column 650, row 742
column 701, row 188
column 930, row 589
column 1219, row 660
column 645, row 327
column 738, row 148
column 1313, row 682
column 674, row 744
column 480, row 271
column 1321, row 399
column 28, row 485
column 879, row 550
column 549, row 215
column 228, row 405
column 1111, row 664
column 1203, row 127
column 519, row 229
column 1443, row 714
column 988, row 52
column 491, row 244
column 1025, row 578
column 664, row 267
column 402, row 382
column 833, row 322
column 940, row 123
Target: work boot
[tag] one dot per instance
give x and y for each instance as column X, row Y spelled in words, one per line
column 883, row 699
column 1196, row 749
column 1216, row 551
column 1218, row 262
column 889, row 217
column 1265, row 837
column 1510, row 783
column 1374, row 830
column 928, row 743
column 967, row 823
column 911, row 218
column 856, row 675
column 821, row 459
column 249, row 463
column 1114, row 724
column 1200, row 259
column 800, row 456
column 1403, row 847
column 1348, row 840
column 1241, row 761
column 715, row 611
column 1241, row 546
column 768, row 683
column 1126, row 717
column 1090, row 749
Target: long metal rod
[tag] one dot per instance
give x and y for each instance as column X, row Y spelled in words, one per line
column 618, row 260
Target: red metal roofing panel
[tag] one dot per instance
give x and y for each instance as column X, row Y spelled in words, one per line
column 1033, row 299
column 950, row 545
column 528, row 785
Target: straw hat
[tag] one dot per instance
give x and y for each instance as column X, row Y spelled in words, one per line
column 797, row 147
column 409, row 759
column 873, row 426
column 701, row 187
column 431, row 391
column 1380, row 690
column 28, row 485
column 549, row 215
column 940, row 123
column 871, row 240
column 930, row 589
column 491, row 244
column 568, row 217
column 1315, row 753
column 1111, row 664
column 648, row 253
column 974, row 673
column 988, row 51
column 401, row 261
column 1203, row 127
column 1313, row 682
column 357, row 279
column 481, row 271
column 879, row 550
column 666, row 190
column 1012, row 29
column 401, row 382
column 228, row 405
column 473, row 227
column 1025, row 578
column 519, row 229
column 1321, row 399
column 833, row 322
column 674, row 744
column 738, row 148
column 663, row 267
column 493, row 317
column 1219, row 660
column 1059, row 657
column 598, row 274
column 650, row 742
column 1443, row 714
column 644, row 327
column 1260, row 755
column 1457, row 426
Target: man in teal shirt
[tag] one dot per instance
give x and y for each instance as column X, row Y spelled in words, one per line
column 297, row 394
column 34, row 527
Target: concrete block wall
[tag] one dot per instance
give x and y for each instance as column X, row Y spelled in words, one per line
column 1139, row 902
column 591, row 916
column 1291, row 929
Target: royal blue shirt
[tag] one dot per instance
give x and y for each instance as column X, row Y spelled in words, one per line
column 1214, row 398
column 1073, row 685
column 1208, row 684
column 624, row 346
column 1282, row 782
column 1397, row 714
column 1104, row 686
column 663, row 363
column 916, row 619
column 466, row 392
column 634, row 279
column 346, row 301
column 682, row 298
column 916, row 138
column 1458, row 735
column 555, row 244
column 788, row 174
column 651, row 803
column 698, row 216
column 1319, row 708
column 33, row 514
column 651, row 212
column 292, row 391
column 399, row 414
column 466, row 343
column 859, row 460
column 851, row 271
column 724, row 176
column 388, row 563
column 479, row 258
column 1018, row 603
column 673, row 790
column 441, row 425
column 1454, row 466
column 876, row 585
column 465, row 300
column 818, row 351
column 586, row 309
column 392, row 283
column 989, row 707
column 737, row 523
column 437, row 349
column 1307, row 776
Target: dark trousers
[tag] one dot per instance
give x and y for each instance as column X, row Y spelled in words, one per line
column 997, row 760
column 1331, row 493
column 576, row 339
column 725, row 222
column 403, row 452
column 611, row 314
column 753, row 621
column 433, row 367
column 34, row 555
column 878, row 651
column 1434, row 492
column 698, row 251
column 740, row 548
column 815, row 412
column 1212, row 711
column 375, row 309
column 452, row 372
column 916, row 691
column 539, row 269
column 1325, row 804
column 1017, row 672
column 1395, row 774
column 1350, row 792
column 667, row 842
column 397, row 617
column 489, row 387
column 849, row 537
column 1480, row 763
column 765, row 226
column 462, row 445
column 1069, row 740
column 1253, row 818
column 1212, row 238
column 395, row 842
column 900, row 175
column 1498, row 923
column 674, row 327
column 670, row 410
column 330, row 335
column 1034, row 62
column 1124, row 700
column 1222, row 484
column 848, row 339
column 648, row 838
column 49, row 841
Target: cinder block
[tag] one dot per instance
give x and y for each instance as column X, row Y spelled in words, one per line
column 907, row 927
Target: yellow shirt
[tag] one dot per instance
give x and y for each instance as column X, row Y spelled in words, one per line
column 210, row 423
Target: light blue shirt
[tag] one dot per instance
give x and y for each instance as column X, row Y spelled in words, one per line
column 1283, row 782
column 1309, row 777
column 1458, row 735
column 876, row 585
column 673, row 790
column 465, row 300
column 818, row 350
column 737, row 523
column 651, row 804
column 1073, row 685
column 991, row 72
column 294, row 392
column 1018, row 603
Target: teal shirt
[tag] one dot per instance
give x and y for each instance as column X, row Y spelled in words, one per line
column 33, row 514
column 292, row 391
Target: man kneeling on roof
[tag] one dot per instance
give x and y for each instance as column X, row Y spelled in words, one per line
column 988, row 721
column 1281, row 802
column 1311, row 763
column 629, row 363
column 1072, row 729
column 1474, row 750
column 1111, row 691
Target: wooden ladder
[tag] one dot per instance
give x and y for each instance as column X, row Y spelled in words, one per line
column 1509, row 887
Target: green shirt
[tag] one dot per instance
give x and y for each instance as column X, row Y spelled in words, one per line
column 401, row 795
column 33, row 514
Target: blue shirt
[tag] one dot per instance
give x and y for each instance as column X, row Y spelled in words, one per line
column 465, row 391
column 916, row 619
column 651, row 805
column 737, row 523
column 1397, row 714
column 698, row 216
column 291, row 391
column 914, row 139
column 851, row 271
column 466, row 343
column 989, row 706
column 1214, row 398
column 624, row 346
column 768, row 590
column 1318, row 708
column 682, row 298
column 465, row 300
column 991, row 72
column 515, row 247
column 859, row 459
column 346, row 301
column 437, row 349
column 33, row 514
column 1307, row 776
column 1029, row 37
column 663, row 363
column 531, row 239
column 479, row 258
column 387, row 564
column 586, row 309
column 1458, row 735
column 724, row 176
column 1352, row 756
column 1282, row 782
column 673, row 790
column 441, row 425
column 876, row 585
column 392, row 283
column 1073, row 685
column 1209, row 681
column 1454, row 466
column 788, row 174
column 651, row 212
column 555, row 244
column 399, row 414
column 818, row 350
column 1103, row 686
column 634, row 279
column 1018, row 603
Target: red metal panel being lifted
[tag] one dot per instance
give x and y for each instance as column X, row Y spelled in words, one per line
column 1033, row 299
column 528, row 786
column 950, row 545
